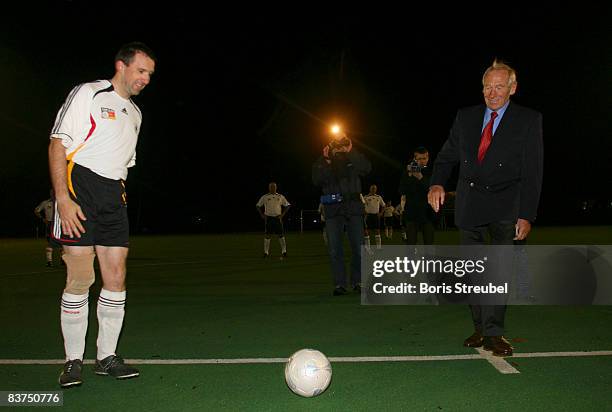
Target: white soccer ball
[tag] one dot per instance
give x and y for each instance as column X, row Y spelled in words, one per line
column 308, row 372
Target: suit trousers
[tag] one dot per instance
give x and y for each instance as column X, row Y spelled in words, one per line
column 335, row 228
column 413, row 229
column 489, row 319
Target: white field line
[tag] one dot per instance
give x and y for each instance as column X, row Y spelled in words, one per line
column 63, row 270
column 500, row 364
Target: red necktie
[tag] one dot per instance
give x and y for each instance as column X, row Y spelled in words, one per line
column 485, row 139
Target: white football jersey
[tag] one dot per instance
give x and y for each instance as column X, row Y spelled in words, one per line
column 373, row 203
column 389, row 211
column 99, row 129
column 47, row 207
column 272, row 203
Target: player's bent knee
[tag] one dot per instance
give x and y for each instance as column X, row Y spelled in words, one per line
column 81, row 273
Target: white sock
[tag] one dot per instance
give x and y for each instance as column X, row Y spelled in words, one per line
column 367, row 241
column 378, row 242
column 110, row 319
column 266, row 246
column 73, row 316
column 283, row 244
column 49, row 254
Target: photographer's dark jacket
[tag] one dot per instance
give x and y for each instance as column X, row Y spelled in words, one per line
column 416, row 208
column 506, row 186
column 342, row 176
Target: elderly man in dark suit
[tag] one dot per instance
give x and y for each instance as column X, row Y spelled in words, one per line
column 498, row 147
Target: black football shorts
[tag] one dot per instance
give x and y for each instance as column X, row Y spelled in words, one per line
column 372, row 221
column 274, row 226
column 104, row 203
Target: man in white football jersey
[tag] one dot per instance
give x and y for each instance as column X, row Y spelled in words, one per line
column 374, row 206
column 93, row 143
column 272, row 208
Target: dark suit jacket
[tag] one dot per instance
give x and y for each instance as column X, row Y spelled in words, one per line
column 507, row 185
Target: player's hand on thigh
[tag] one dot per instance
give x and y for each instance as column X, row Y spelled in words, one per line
column 71, row 215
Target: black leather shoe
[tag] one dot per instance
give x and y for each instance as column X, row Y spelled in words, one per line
column 339, row 290
column 498, row 345
column 475, row 340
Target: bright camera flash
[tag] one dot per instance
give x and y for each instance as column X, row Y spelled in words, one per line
column 335, row 129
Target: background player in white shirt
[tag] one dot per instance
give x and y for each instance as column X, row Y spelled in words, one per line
column 374, row 206
column 93, row 143
column 45, row 211
column 272, row 208
column 388, row 215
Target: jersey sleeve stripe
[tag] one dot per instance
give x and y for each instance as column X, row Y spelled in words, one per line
column 108, row 89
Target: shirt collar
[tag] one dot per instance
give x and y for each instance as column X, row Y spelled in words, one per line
column 500, row 111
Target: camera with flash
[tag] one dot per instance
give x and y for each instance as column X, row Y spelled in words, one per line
column 415, row 167
column 339, row 138
column 337, row 143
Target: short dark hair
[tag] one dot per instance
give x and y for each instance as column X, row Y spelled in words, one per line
column 421, row 150
column 127, row 51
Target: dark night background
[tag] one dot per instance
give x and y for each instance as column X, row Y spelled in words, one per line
column 243, row 98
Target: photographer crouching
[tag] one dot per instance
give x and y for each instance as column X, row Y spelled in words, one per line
column 417, row 215
column 338, row 172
